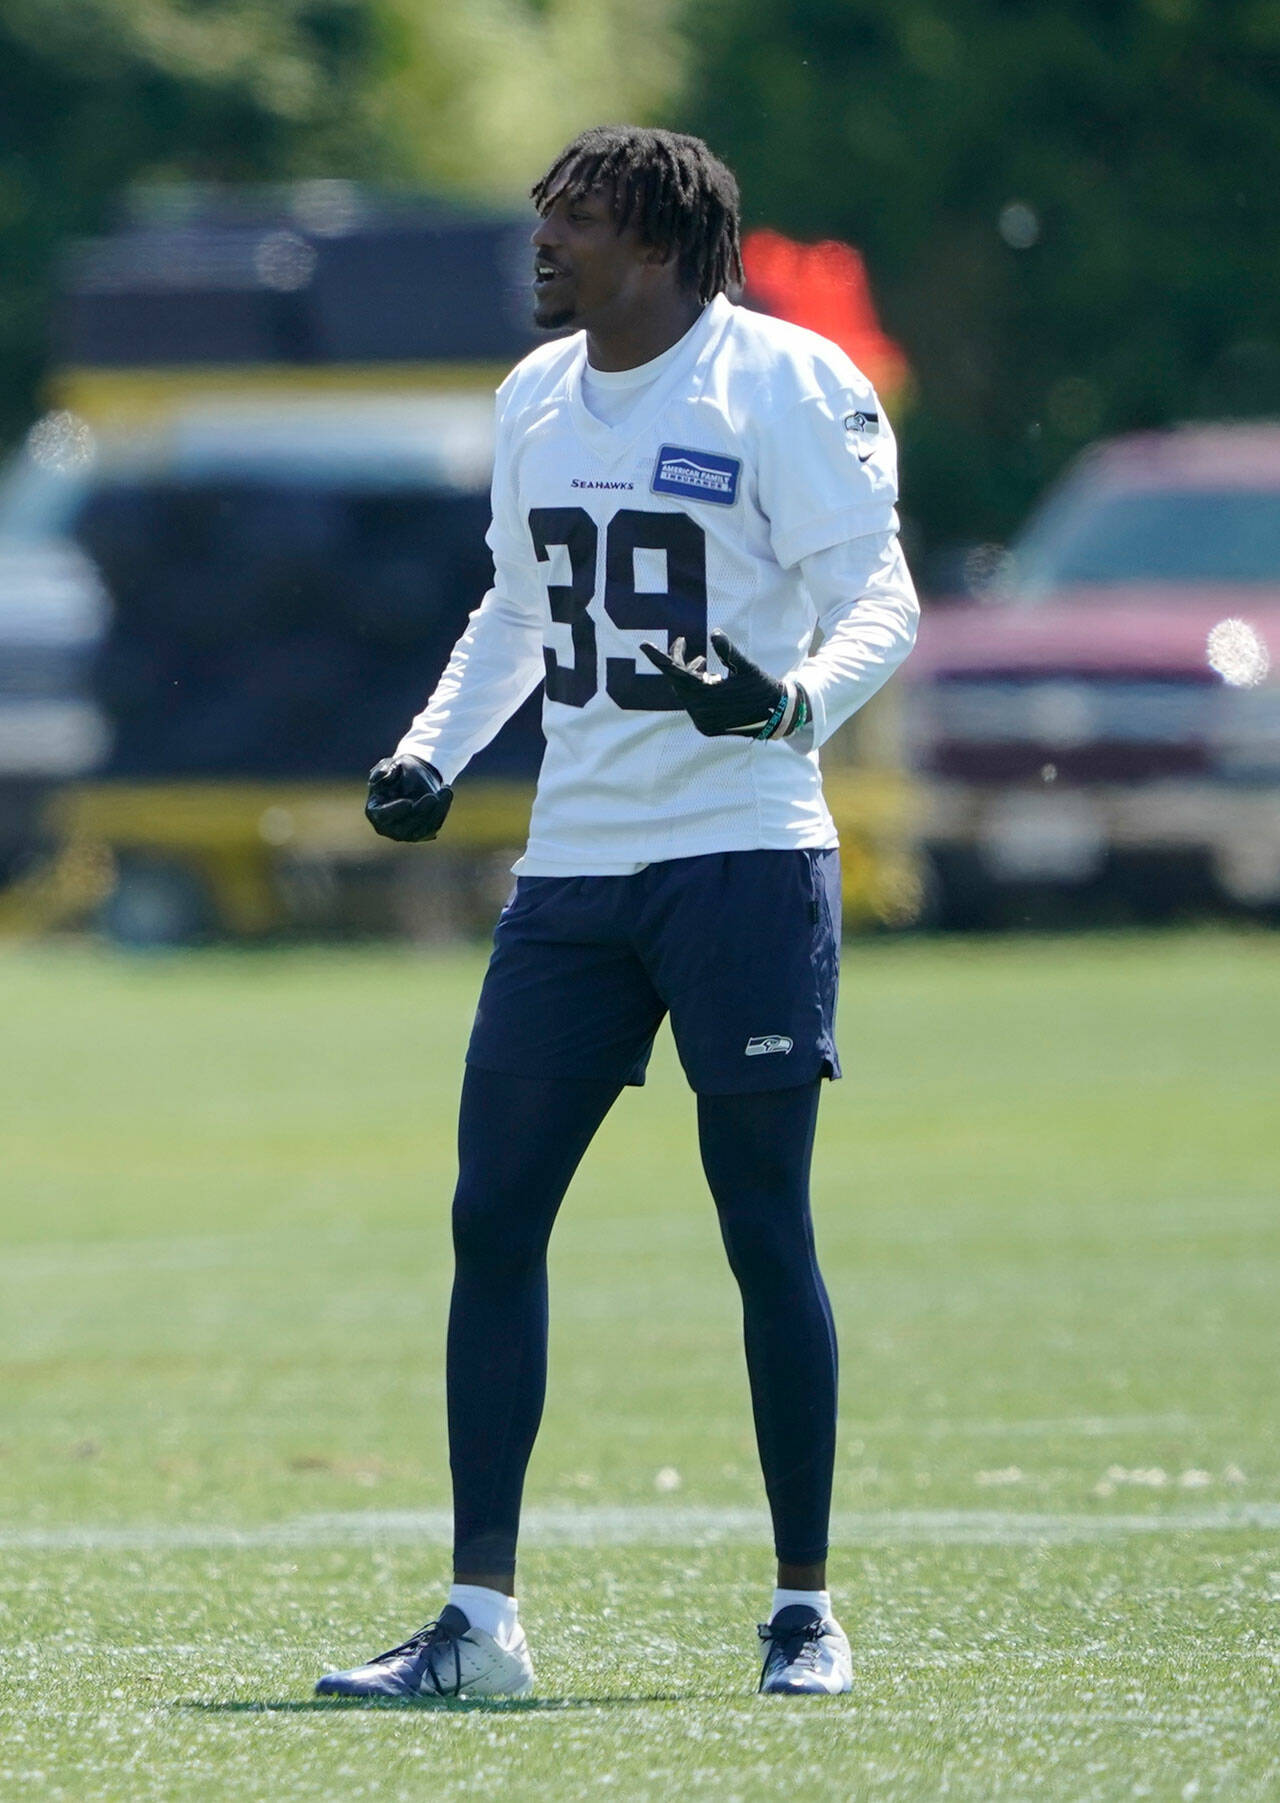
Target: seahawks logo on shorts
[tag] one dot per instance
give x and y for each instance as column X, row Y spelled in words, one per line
column 768, row 1042
column 863, row 428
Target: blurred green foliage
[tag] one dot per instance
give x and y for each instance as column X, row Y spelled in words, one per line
column 98, row 94
column 94, row 93
column 1069, row 208
column 484, row 95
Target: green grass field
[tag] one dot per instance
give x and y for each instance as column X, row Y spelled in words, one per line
column 1046, row 1200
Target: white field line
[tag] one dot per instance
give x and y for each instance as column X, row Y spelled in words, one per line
column 654, row 1524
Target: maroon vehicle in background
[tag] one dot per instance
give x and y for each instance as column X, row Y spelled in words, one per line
column 1103, row 722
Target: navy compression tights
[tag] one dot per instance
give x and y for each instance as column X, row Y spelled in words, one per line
column 520, row 1140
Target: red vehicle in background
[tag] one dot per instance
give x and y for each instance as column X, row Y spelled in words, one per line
column 1103, row 718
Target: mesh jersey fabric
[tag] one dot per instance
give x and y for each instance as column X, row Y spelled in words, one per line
column 757, row 447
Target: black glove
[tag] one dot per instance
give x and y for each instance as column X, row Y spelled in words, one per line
column 746, row 701
column 408, row 799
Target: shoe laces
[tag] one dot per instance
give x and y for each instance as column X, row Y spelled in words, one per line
column 435, row 1638
column 792, row 1645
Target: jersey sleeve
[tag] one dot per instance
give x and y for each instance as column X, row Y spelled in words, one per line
column 867, row 618
column 497, row 663
column 826, row 462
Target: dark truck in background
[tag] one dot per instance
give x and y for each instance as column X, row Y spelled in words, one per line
column 1097, row 731
column 230, row 619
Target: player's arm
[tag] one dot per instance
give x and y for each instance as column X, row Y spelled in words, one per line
column 827, row 470
column 826, row 465
column 494, row 667
column 867, row 618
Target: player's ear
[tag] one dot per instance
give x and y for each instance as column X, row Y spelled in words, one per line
column 658, row 256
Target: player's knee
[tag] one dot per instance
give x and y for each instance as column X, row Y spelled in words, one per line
column 757, row 1193
column 770, row 1251
column 491, row 1231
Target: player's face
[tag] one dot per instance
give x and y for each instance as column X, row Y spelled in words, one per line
column 584, row 269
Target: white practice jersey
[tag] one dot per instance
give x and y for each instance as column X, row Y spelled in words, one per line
column 751, row 487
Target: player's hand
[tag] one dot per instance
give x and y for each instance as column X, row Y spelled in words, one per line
column 408, row 799
column 745, row 700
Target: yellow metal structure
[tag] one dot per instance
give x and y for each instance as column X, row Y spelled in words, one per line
column 234, row 836
column 129, row 400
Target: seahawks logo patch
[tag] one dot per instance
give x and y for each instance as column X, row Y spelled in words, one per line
column 863, row 429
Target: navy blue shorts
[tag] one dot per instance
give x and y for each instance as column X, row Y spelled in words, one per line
column 741, row 948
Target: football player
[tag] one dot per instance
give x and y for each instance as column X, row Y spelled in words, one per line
column 695, row 551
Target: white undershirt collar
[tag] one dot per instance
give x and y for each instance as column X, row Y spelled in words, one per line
column 610, row 394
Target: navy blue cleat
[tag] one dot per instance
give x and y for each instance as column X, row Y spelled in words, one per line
column 806, row 1654
column 447, row 1658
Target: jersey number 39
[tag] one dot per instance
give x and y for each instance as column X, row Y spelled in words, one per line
column 679, row 610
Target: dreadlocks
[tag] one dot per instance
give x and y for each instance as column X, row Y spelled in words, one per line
column 668, row 185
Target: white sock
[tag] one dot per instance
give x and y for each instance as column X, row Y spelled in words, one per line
column 491, row 1611
column 812, row 1599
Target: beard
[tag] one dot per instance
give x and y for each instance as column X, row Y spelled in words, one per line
column 552, row 319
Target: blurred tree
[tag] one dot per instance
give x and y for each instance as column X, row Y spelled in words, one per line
column 485, row 95
column 1069, row 209
column 96, row 94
